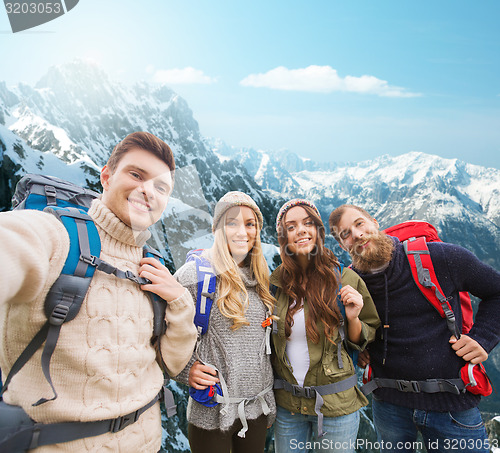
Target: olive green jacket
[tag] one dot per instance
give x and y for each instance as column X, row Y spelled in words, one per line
column 323, row 368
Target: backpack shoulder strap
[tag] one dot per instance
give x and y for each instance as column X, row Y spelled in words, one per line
column 159, row 328
column 206, row 289
column 342, row 327
column 339, row 300
column 159, row 305
column 273, row 289
column 66, row 295
column 425, row 278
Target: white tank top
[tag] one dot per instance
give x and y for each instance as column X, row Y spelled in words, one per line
column 296, row 347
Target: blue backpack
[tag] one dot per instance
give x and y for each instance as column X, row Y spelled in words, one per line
column 204, row 300
column 70, row 203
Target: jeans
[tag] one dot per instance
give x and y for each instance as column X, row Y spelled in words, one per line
column 459, row 431
column 298, row 433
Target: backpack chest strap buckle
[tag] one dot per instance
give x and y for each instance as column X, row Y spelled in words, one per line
column 122, row 422
column 303, row 392
column 89, row 260
column 408, row 386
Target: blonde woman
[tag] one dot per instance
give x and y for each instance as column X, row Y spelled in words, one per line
column 234, row 351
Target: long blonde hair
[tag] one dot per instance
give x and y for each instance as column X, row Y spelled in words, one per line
column 233, row 297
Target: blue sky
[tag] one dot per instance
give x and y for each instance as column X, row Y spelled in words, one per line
column 331, row 80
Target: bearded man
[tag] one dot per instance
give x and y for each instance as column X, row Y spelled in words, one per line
column 415, row 346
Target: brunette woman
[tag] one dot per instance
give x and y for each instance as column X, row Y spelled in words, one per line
column 316, row 393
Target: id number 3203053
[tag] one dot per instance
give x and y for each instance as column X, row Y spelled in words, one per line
column 33, row 8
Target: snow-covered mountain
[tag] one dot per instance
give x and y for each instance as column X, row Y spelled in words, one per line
column 271, row 170
column 70, row 121
column 460, row 199
column 67, row 125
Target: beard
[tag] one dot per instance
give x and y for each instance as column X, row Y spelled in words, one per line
column 377, row 255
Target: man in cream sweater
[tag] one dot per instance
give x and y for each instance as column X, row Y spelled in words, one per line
column 104, row 365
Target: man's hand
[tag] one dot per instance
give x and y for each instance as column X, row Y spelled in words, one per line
column 363, row 359
column 469, row 349
column 201, row 376
column 162, row 281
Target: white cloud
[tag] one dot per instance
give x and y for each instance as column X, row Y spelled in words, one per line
column 322, row 79
column 183, row 76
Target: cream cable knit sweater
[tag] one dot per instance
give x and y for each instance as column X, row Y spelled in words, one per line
column 103, row 365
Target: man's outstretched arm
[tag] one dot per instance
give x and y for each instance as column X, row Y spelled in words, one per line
column 34, row 247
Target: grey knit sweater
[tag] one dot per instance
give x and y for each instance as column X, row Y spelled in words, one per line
column 239, row 355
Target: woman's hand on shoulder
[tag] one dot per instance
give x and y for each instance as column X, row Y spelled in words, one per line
column 201, row 376
column 162, row 281
column 352, row 300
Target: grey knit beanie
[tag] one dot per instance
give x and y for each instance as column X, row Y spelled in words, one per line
column 232, row 199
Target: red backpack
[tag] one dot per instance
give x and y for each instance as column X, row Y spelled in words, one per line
column 419, row 228
column 415, row 234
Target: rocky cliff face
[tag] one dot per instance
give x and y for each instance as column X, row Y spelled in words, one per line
column 70, row 121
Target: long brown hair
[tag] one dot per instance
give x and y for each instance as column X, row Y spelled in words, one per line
column 322, row 282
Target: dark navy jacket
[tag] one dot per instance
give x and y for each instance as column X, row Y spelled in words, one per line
column 418, row 345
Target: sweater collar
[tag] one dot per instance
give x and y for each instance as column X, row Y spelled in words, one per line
column 112, row 225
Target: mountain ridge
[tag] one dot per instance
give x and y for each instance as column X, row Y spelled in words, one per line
column 70, row 121
column 453, row 195
column 77, row 114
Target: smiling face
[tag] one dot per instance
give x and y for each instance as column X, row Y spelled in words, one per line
column 355, row 230
column 368, row 247
column 241, row 231
column 301, row 232
column 137, row 191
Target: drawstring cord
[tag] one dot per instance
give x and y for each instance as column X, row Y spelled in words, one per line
column 385, row 331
